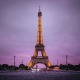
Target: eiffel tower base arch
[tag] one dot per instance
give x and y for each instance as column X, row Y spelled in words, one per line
column 39, row 59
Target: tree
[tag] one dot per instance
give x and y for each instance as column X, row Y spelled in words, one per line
column 5, row 67
column 22, row 66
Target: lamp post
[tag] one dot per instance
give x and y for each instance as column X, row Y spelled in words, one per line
column 14, row 64
column 66, row 60
column 57, row 62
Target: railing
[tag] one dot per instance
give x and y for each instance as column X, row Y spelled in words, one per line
column 39, row 57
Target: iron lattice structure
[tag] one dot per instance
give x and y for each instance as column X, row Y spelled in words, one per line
column 39, row 47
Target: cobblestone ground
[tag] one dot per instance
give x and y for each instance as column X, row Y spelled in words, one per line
column 42, row 75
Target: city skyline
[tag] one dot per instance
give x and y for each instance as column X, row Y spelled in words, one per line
column 60, row 28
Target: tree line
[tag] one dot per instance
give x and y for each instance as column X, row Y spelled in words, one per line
column 7, row 67
column 23, row 67
column 67, row 67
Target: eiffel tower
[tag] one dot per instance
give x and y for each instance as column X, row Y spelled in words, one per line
column 39, row 47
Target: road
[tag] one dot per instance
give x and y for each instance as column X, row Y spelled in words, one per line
column 40, row 75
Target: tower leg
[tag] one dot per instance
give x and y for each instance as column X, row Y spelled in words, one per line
column 30, row 64
column 49, row 63
column 35, row 54
column 43, row 53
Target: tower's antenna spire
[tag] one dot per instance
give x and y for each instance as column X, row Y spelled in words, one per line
column 39, row 8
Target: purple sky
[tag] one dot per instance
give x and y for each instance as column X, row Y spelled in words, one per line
column 19, row 24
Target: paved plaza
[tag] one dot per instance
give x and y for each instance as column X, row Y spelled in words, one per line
column 40, row 75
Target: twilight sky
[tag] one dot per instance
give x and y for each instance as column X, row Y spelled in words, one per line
column 19, row 24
